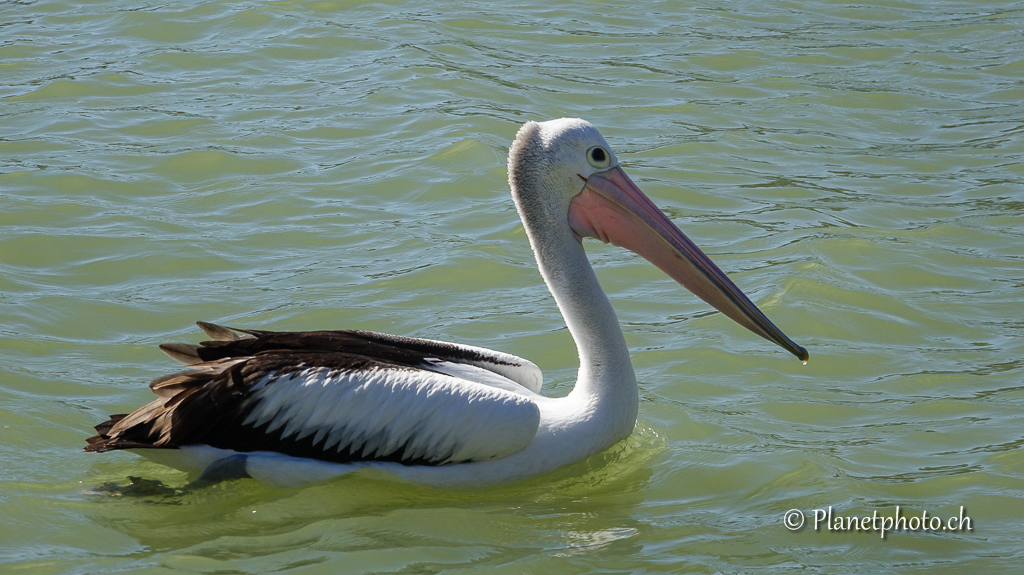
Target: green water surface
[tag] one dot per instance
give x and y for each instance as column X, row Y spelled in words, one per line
column 857, row 168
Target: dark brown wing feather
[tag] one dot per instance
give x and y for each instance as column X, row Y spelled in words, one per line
column 411, row 352
column 189, row 402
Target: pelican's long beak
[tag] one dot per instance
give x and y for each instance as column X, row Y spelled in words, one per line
column 612, row 209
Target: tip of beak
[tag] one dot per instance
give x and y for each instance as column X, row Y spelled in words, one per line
column 802, row 355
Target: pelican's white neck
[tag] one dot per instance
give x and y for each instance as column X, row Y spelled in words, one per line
column 606, row 383
column 604, row 357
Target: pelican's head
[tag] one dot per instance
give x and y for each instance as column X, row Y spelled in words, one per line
column 564, row 176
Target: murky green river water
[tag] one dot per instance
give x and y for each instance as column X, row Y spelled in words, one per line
column 857, row 169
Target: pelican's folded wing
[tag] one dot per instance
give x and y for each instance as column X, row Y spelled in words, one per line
column 409, row 351
column 328, row 406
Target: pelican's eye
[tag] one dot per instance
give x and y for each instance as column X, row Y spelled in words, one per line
column 599, row 157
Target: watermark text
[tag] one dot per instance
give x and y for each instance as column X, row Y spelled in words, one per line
column 829, row 520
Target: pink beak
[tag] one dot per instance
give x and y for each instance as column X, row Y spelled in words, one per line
column 612, row 209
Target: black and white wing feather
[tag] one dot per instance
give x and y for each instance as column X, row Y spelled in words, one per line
column 295, row 393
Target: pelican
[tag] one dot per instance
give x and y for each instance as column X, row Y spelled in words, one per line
column 292, row 408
